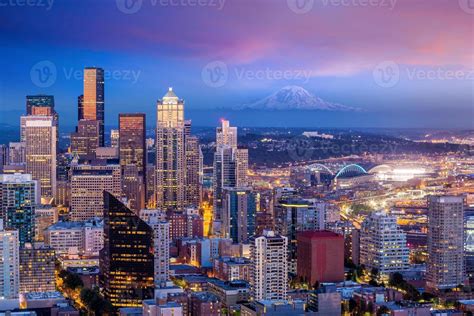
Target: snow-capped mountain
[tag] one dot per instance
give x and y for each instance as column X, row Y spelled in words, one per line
column 295, row 98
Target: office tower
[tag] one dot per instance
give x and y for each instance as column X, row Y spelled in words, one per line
column 41, row 150
column 383, row 244
column 40, row 104
column 150, row 187
column 469, row 240
column 18, row 199
column 224, row 176
column 16, row 153
column 93, row 98
column 320, row 256
column 85, row 141
column 239, row 214
column 80, row 107
column 126, row 261
column 161, row 246
column 76, row 238
column 445, row 265
column 4, row 156
column 132, row 153
column 226, row 135
column 269, row 269
column 295, row 215
column 193, row 171
column 44, row 217
column 10, row 263
column 87, row 185
column 241, row 166
column 170, row 153
column 37, row 268
column 114, row 138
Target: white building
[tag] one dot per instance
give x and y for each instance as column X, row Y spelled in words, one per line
column 226, row 135
column 383, row 244
column 269, row 268
column 161, row 243
column 445, row 265
column 9, row 263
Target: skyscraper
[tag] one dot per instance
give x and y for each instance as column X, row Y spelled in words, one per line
column 132, row 153
column 41, row 150
column 170, row 152
column 18, row 199
column 445, row 265
column 269, row 268
column 383, row 244
column 126, row 261
column 193, row 171
column 161, row 246
column 239, row 214
column 87, row 185
column 469, row 240
column 10, row 263
column 93, row 98
column 85, row 140
column 40, row 101
column 226, row 135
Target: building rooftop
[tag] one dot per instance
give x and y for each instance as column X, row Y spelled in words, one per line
column 319, row 234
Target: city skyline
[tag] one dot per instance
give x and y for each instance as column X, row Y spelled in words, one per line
column 242, row 65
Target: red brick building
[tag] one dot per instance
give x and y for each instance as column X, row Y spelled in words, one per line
column 320, row 256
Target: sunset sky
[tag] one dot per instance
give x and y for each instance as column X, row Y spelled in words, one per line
column 333, row 48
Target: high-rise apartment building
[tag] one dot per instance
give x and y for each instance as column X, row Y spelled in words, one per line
column 239, row 214
column 132, row 154
column 41, row 150
column 37, row 264
column 269, row 268
column 93, row 98
column 10, row 263
column 445, row 265
column 469, row 240
column 127, row 260
column 170, row 153
column 85, row 141
column 161, row 246
column 18, row 200
column 383, row 244
column 87, row 185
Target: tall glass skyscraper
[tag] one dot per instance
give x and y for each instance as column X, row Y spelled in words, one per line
column 127, row 259
column 93, row 98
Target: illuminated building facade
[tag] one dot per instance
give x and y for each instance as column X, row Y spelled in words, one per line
column 10, row 263
column 37, row 264
column 239, row 214
column 469, row 240
column 93, row 99
column 170, row 153
column 383, row 244
column 87, row 185
column 132, row 155
column 18, row 200
column 445, row 265
column 269, row 268
column 193, row 171
column 127, row 260
column 85, row 141
column 41, row 150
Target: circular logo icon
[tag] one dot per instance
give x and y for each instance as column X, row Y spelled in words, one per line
column 215, row 74
column 467, row 6
column 386, row 74
column 129, row 6
column 300, row 6
column 300, row 149
column 43, row 74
